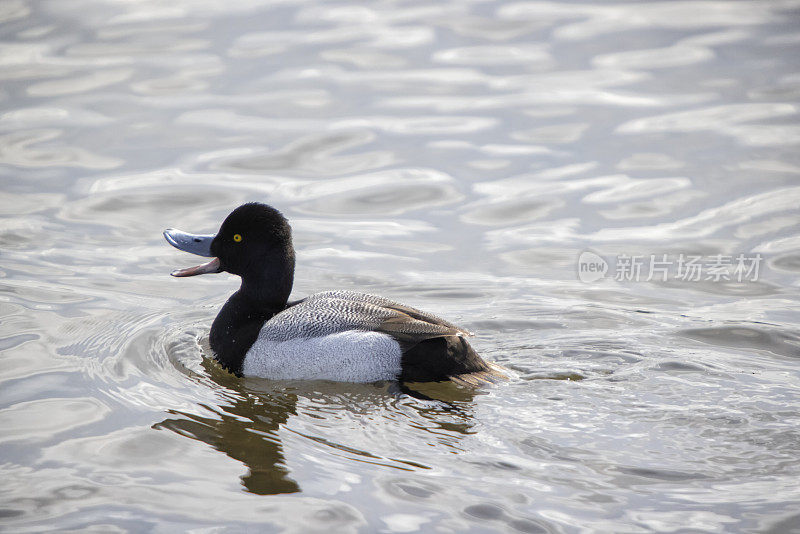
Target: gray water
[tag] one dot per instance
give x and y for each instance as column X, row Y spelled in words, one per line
column 459, row 157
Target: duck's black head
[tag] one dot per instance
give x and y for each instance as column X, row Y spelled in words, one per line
column 254, row 242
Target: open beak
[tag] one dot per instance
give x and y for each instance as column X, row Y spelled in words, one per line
column 195, row 244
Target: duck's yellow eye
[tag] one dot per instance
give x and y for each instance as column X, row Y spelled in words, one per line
column 237, row 237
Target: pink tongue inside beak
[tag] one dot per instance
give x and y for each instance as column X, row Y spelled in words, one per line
column 210, row 267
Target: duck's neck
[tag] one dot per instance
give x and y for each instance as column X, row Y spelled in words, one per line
column 239, row 321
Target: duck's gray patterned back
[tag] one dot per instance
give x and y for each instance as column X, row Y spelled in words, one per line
column 337, row 311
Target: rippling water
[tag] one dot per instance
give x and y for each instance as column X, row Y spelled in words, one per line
column 461, row 157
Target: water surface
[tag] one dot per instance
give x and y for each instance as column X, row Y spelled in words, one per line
column 460, row 157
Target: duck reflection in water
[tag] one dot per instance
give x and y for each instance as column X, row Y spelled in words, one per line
column 246, row 424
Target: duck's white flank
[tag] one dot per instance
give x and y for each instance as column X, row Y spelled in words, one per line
column 349, row 356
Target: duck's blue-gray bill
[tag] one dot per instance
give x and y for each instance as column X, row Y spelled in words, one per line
column 196, row 244
column 193, row 243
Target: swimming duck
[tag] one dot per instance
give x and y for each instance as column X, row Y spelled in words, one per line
column 334, row 335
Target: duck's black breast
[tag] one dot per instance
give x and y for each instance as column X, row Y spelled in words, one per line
column 230, row 341
column 236, row 328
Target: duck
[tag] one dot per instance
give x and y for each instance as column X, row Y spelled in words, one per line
column 335, row 335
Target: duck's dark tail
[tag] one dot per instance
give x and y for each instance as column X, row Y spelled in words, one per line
column 492, row 375
column 447, row 358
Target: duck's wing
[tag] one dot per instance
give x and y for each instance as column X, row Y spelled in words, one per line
column 337, row 311
column 402, row 310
